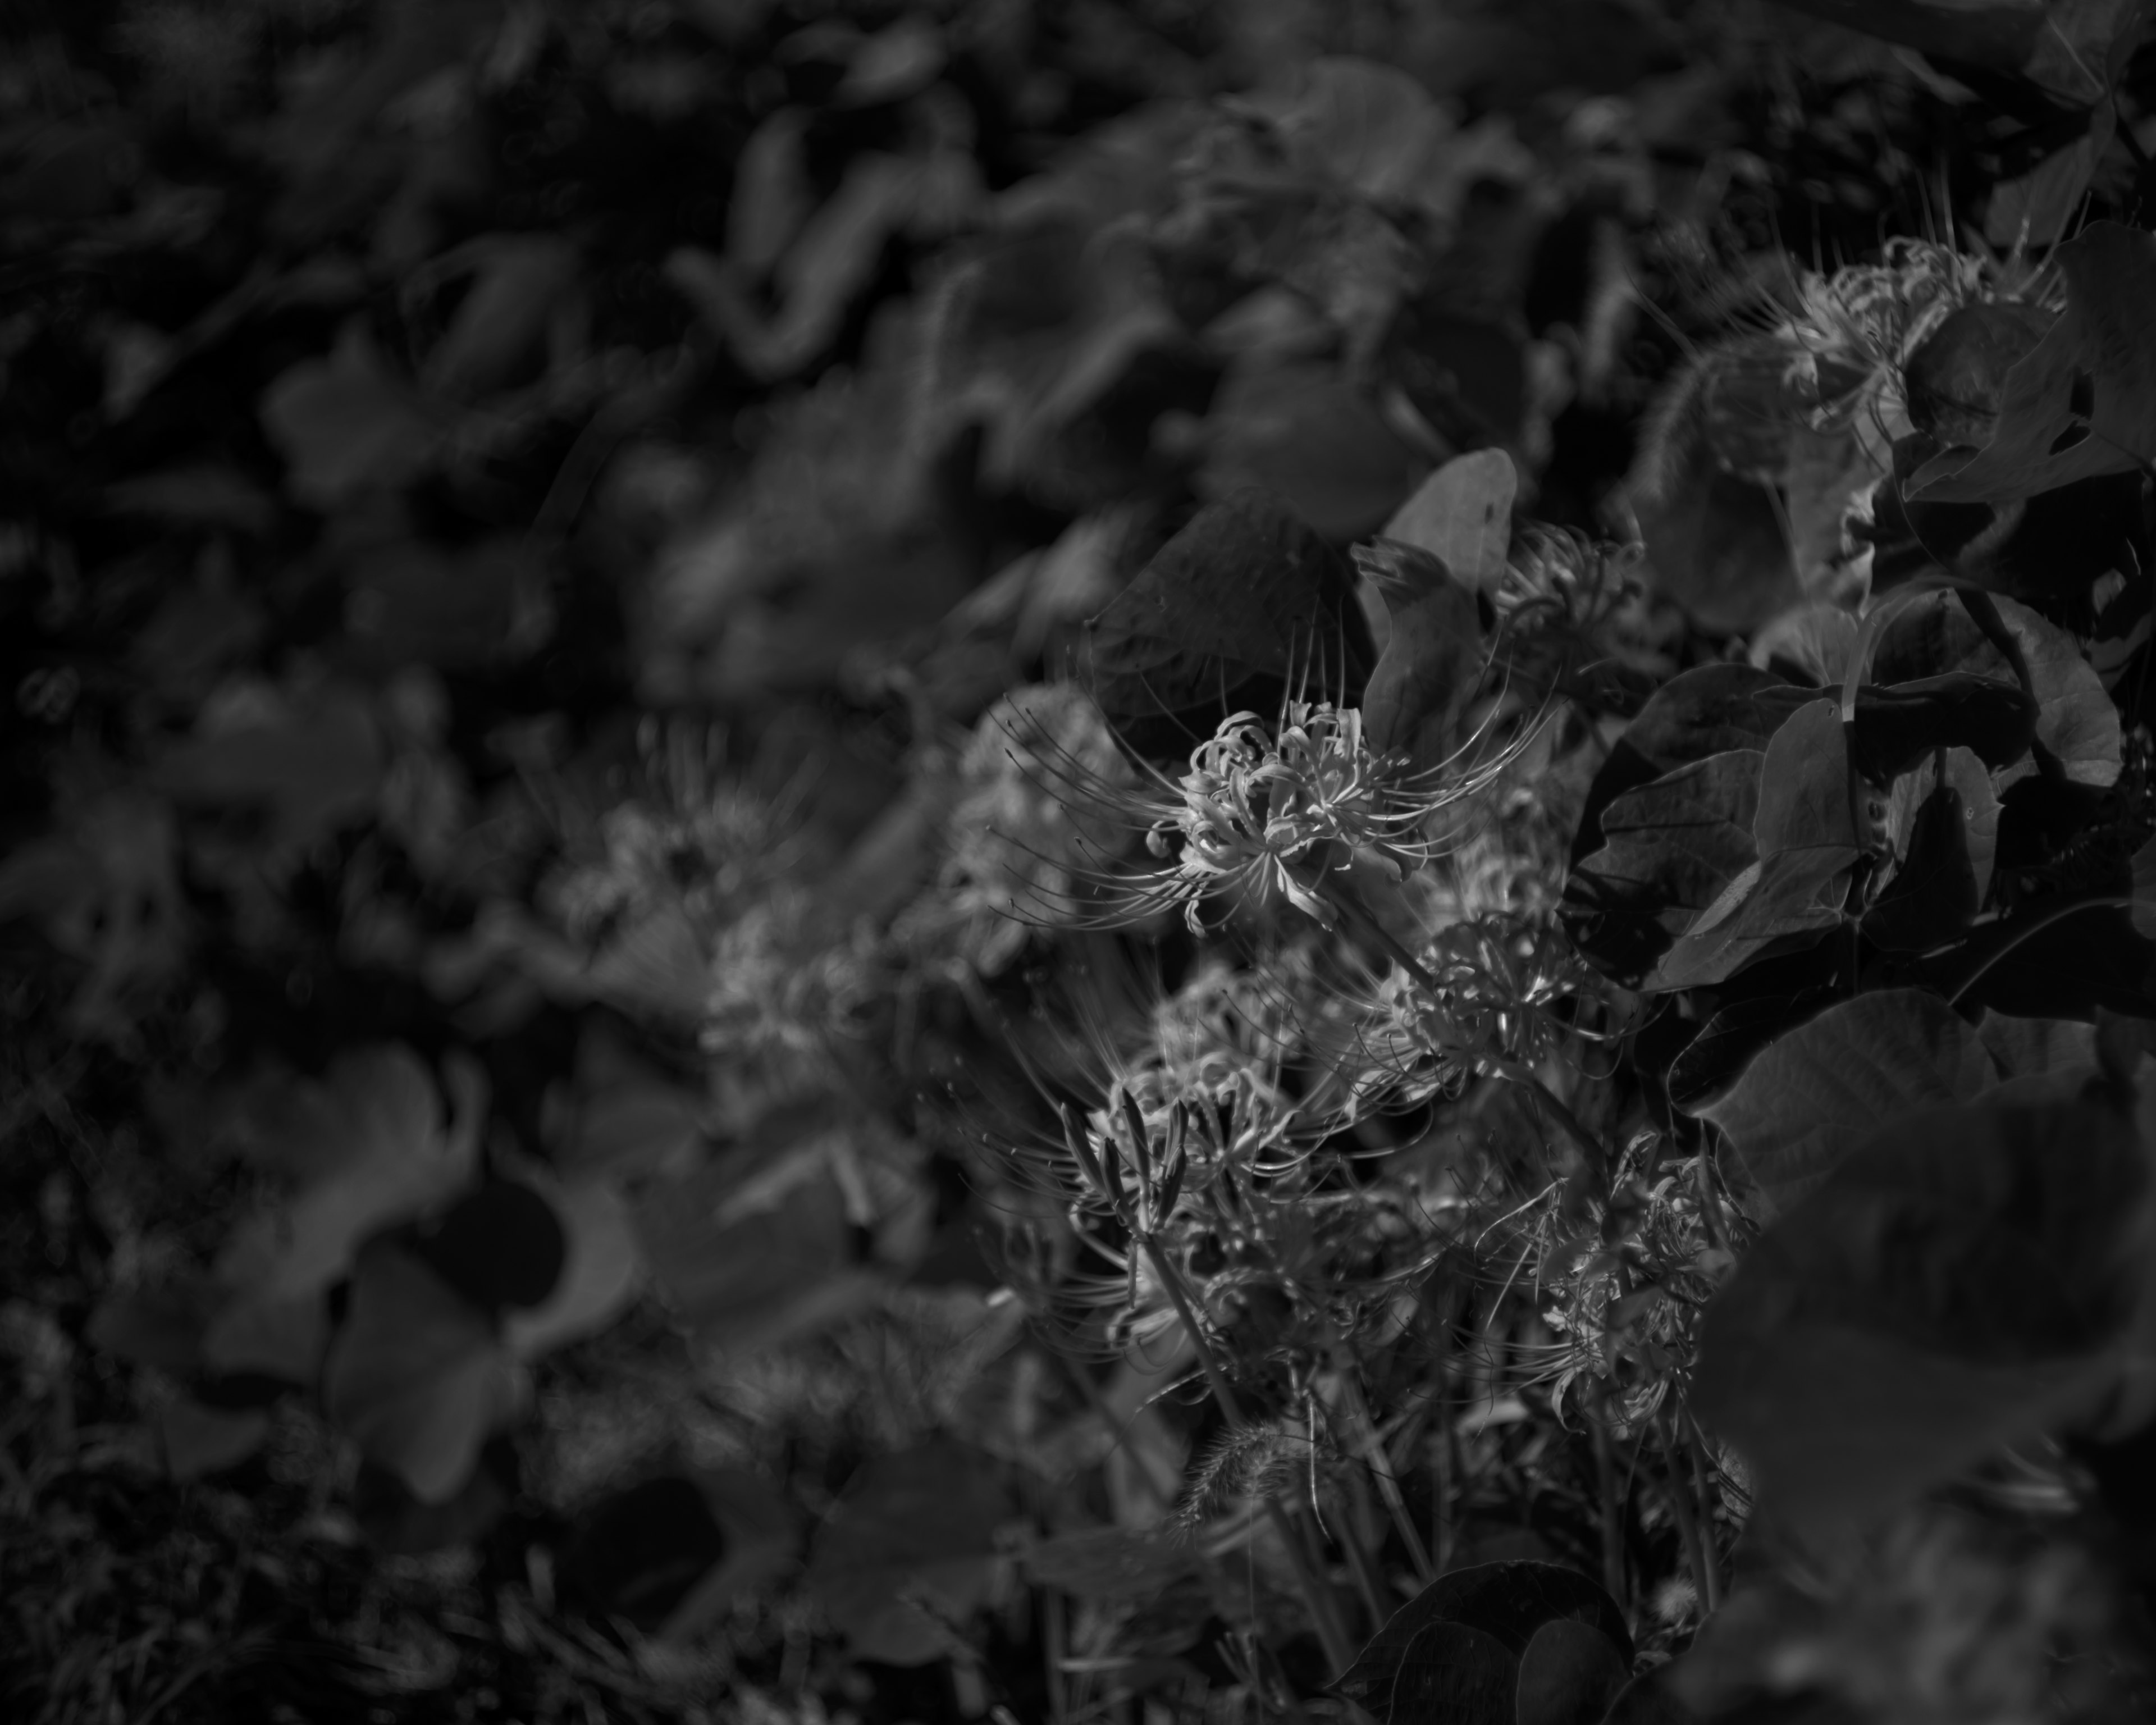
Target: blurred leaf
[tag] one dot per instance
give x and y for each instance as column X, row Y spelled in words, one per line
column 1108, row 1564
column 750, row 1257
column 1371, row 127
column 1247, row 590
column 603, row 1273
column 345, row 426
column 1462, row 515
column 196, row 1439
column 921, row 1523
column 280, row 1337
column 1569, row 1673
column 499, row 1244
column 158, row 1324
column 517, row 283
column 763, row 1540
column 2083, row 402
column 314, row 762
column 2031, row 212
column 366, row 1145
column 1306, row 436
column 2055, row 45
column 899, row 60
column 1810, row 1098
column 415, row 1375
column 772, row 195
column 1958, row 1282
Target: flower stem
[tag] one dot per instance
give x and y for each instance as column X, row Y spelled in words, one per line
column 1318, row 1593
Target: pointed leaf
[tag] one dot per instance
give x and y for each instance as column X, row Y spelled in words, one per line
column 1462, row 515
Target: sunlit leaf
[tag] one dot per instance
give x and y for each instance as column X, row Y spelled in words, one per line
column 1462, row 515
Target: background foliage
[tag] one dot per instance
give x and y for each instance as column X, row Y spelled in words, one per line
column 1049, row 861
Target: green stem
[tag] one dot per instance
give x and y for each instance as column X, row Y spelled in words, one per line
column 1324, row 1609
column 2114, row 901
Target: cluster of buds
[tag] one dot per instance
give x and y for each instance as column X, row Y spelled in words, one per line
column 1143, row 1201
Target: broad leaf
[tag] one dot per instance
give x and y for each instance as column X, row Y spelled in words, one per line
column 1569, row 1673
column 1957, row 1283
column 1501, row 1603
column 1247, row 590
column 1705, row 711
column 1942, row 836
column 1780, row 903
column 1804, row 785
column 2082, row 403
column 1811, row 1096
column 2076, row 721
column 415, row 1375
column 1451, row 1672
column 1672, row 847
column 1462, row 515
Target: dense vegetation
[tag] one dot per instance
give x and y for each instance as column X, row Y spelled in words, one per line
column 1167, row 860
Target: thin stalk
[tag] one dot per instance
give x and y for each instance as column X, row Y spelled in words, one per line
column 1316, row 1592
column 1381, row 1465
column 1701, row 1560
column 1703, row 1477
column 1612, row 1514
